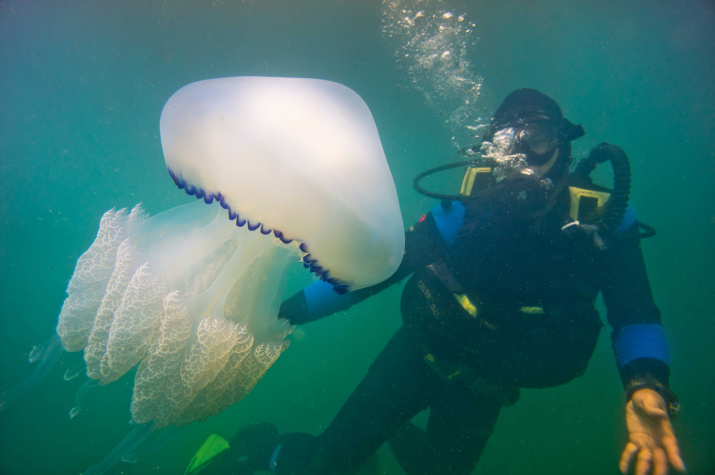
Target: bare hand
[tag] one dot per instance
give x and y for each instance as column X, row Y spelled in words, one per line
column 651, row 436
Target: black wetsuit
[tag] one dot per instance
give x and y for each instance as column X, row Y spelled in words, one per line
column 532, row 324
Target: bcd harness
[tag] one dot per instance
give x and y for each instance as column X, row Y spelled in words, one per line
column 598, row 211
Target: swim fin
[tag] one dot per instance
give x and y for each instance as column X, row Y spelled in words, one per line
column 206, row 455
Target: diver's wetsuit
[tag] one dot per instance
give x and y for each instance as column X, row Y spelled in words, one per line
column 533, row 288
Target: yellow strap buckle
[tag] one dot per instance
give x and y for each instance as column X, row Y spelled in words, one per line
column 586, row 205
column 473, row 174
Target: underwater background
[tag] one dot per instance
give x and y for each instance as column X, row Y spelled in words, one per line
column 82, row 85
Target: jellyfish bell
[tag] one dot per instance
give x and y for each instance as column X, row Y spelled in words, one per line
column 297, row 157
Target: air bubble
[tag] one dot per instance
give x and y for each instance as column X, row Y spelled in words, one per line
column 433, row 46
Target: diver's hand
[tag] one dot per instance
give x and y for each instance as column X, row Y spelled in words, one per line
column 651, row 436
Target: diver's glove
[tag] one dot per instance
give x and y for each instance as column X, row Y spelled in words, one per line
column 651, row 435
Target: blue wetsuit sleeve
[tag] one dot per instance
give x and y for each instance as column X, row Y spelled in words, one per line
column 638, row 337
column 638, row 341
column 423, row 242
column 314, row 302
column 322, row 301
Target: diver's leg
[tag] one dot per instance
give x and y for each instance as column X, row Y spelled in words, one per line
column 459, row 425
column 397, row 386
column 458, row 429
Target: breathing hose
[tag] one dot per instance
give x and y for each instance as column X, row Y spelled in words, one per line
column 432, row 171
column 617, row 203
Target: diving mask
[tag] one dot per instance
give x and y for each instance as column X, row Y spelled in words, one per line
column 535, row 139
column 538, row 137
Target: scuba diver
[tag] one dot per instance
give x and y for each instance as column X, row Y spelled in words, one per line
column 502, row 282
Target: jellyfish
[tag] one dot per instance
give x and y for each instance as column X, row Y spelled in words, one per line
column 284, row 170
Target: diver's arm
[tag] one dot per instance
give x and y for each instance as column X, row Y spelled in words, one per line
column 317, row 300
column 638, row 336
column 642, row 355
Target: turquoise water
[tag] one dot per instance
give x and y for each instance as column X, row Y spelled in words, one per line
column 82, row 84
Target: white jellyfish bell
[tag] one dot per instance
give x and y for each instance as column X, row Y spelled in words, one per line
column 286, row 169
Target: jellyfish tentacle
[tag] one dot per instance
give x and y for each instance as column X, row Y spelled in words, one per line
column 37, row 351
column 127, row 445
column 73, row 372
column 155, row 442
column 50, row 356
column 81, row 396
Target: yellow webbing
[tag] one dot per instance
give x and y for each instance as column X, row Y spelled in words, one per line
column 466, row 304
